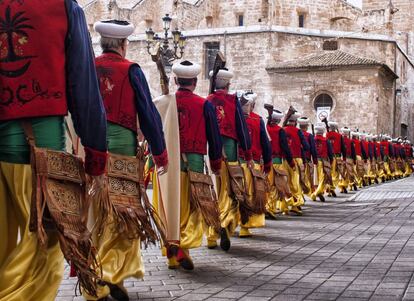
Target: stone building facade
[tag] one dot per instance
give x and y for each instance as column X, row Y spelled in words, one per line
column 258, row 37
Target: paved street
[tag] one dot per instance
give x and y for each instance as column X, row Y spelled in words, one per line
column 354, row 247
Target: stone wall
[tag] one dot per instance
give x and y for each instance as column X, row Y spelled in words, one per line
column 249, row 54
column 358, row 99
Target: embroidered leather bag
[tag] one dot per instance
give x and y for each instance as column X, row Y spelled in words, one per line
column 59, row 204
column 237, row 190
column 126, row 200
column 259, row 192
column 327, row 171
column 281, row 182
column 203, row 196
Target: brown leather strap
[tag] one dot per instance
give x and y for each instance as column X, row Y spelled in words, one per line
column 28, row 131
column 74, row 149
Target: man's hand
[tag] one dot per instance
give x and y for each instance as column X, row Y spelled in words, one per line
column 250, row 164
column 162, row 170
column 96, row 185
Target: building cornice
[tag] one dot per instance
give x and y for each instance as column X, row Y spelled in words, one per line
column 222, row 31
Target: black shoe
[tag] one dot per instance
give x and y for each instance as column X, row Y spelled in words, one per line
column 345, row 191
column 333, row 193
column 321, row 197
column 355, row 187
column 117, row 293
column 224, row 240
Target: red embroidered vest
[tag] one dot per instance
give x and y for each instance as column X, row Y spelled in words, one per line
column 335, row 139
column 385, row 147
column 378, row 149
column 307, row 137
column 357, row 144
column 116, row 90
column 32, row 59
column 274, row 132
column 348, row 146
column 397, row 150
column 225, row 105
column 192, row 123
column 293, row 141
column 373, row 149
column 408, row 151
column 253, row 125
column 321, row 147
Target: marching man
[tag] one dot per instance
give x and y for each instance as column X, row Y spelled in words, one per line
column 360, row 158
column 126, row 95
column 349, row 181
column 281, row 155
column 408, row 151
column 198, row 129
column 64, row 72
column 386, row 157
column 297, row 143
column 234, row 133
column 310, row 157
column 261, row 150
column 325, row 158
column 339, row 154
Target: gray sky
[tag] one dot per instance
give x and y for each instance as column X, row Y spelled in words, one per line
column 357, row 3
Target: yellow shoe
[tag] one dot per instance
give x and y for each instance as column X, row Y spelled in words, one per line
column 211, row 244
column 296, row 211
column 245, row 232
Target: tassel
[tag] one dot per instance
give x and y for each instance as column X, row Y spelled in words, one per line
column 72, row 272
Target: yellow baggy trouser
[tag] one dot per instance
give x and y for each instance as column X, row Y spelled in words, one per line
column 229, row 208
column 120, row 259
column 272, row 195
column 322, row 185
column 257, row 220
column 349, row 179
column 27, row 272
column 294, row 184
column 408, row 169
column 359, row 175
column 335, row 173
column 308, row 179
column 191, row 223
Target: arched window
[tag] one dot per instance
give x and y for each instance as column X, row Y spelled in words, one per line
column 323, row 100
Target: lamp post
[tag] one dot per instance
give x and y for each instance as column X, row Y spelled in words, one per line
column 168, row 54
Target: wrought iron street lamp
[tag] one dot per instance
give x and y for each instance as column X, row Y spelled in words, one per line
column 168, row 54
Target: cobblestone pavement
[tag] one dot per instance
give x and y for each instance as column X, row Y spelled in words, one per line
column 354, row 247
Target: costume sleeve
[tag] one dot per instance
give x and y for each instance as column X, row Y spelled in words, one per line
column 391, row 150
column 402, row 152
column 343, row 147
column 242, row 132
column 83, row 95
column 313, row 151
column 149, row 119
column 370, row 152
column 303, row 141
column 266, row 147
column 363, row 151
column 330, row 150
column 353, row 152
column 285, row 147
column 215, row 144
